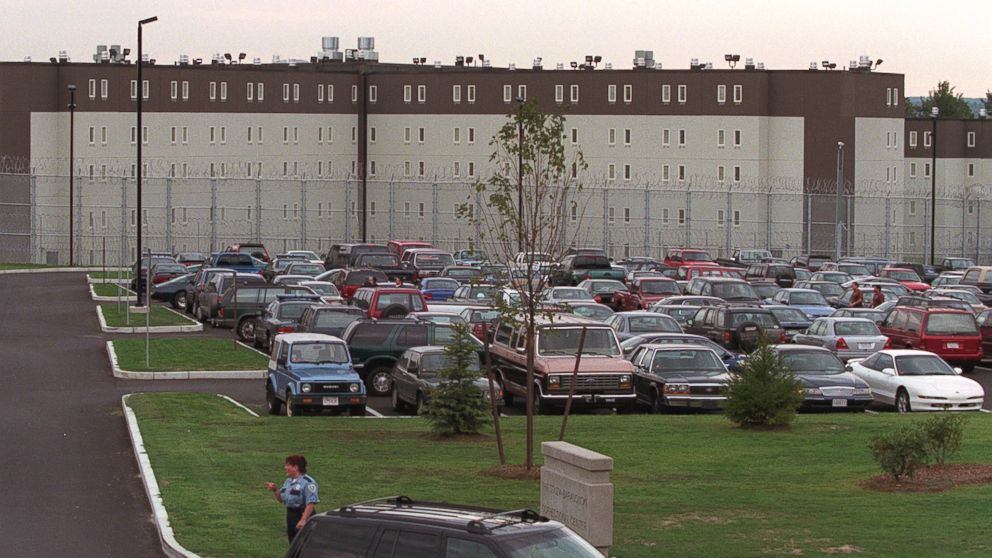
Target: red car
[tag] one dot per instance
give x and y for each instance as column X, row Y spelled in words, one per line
column 690, row 271
column 950, row 333
column 645, row 291
column 348, row 281
column 678, row 257
column 907, row 277
column 399, row 246
column 389, row 302
column 985, row 325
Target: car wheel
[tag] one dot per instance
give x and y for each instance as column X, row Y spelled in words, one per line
column 179, row 301
column 420, row 405
column 539, row 407
column 272, row 403
column 356, row 411
column 189, row 307
column 380, row 381
column 398, row 404
column 291, row 410
column 507, row 396
column 246, row 330
column 902, row 401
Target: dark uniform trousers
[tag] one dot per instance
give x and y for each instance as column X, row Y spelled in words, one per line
column 293, row 516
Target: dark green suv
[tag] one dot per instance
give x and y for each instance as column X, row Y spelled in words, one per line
column 376, row 345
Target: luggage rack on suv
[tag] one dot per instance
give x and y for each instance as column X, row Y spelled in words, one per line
column 450, row 512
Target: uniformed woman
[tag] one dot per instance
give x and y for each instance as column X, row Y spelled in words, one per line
column 298, row 494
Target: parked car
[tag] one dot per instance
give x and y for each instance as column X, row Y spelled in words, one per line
column 746, row 256
column 731, row 359
column 342, row 256
column 388, row 302
column 811, row 302
column 826, row 383
column 846, row 337
column 208, row 300
column 669, row 376
column 802, row 274
column 252, row 299
column 907, row 277
column 302, row 267
column 592, row 310
column 469, row 257
column 139, row 271
column 838, row 277
column 444, row 318
column 734, row 291
column 290, row 279
column 926, row 273
column 688, row 272
column 278, row 264
column 328, row 293
column 399, row 247
column 438, row 289
column 914, row 380
column 738, row 328
column 967, row 297
column 933, row 302
column 949, row 279
column 854, row 269
column 605, row 378
column 558, row 295
column 765, row 290
column 191, row 258
column 307, row 255
column 889, row 293
column 978, row 276
column 348, row 281
column 242, row 263
column 954, row 264
column 481, row 321
column 677, row 257
column 951, row 334
column 253, row 249
column 425, row 262
column 874, row 265
column 645, row 291
column 312, row 371
column 872, row 314
column 424, row 527
column 463, row 274
column 811, row 262
column 474, row 294
column 629, row 324
column 574, row 269
column 415, row 378
column 688, row 300
column 196, row 285
column 681, row 312
column 375, row 346
column 173, row 291
column 385, row 262
column 782, row 275
column 603, row 291
column 281, row 316
column 828, row 289
column 984, row 321
column 792, row 320
column 329, row 319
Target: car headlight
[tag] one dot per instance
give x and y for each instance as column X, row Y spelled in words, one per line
column 814, row 391
column 305, row 388
column 677, row 389
column 625, row 380
column 554, row 381
column 354, row 388
column 862, row 391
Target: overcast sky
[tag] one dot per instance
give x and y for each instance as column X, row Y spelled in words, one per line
column 926, row 41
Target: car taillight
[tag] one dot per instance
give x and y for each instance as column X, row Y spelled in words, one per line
column 888, row 343
column 285, row 329
column 159, row 278
column 781, row 336
column 428, row 296
column 598, row 299
column 841, row 344
column 727, row 337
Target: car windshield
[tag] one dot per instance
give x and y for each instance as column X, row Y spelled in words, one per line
column 681, row 313
column 192, row 257
column 828, row 289
column 766, row 291
column 558, row 543
column 659, row 287
column 789, row 315
column 484, row 316
column 904, row 276
column 564, row 341
column 696, row 257
column 943, row 323
column 378, row 260
column 292, row 310
column 480, row 293
column 812, row 362
column 591, row 262
column 970, row 298
column 856, row 328
column 657, row 323
column 441, row 284
column 572, row 293
column 734, row 291
column 697, row 361
column 413, row 303
column 319, row 353
column 607, row 286
column 923, row 365
column 958, row 263
column 763, row 319
column 873, row 315
column 854, row 269
column 169, row 268
column 462, row 272
column 434, row 259
column 234, row 259
column 599, row 313
column 334, row 318
column 808, row 299
column 323, row 289
column 432, row 362
column 802, row 274
column 307, row 268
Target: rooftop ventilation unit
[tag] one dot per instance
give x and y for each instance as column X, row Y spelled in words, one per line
column 459, row 61
column 608, row 66
column 749, row 63
column 657, row 65
column 761, row 66
column 487, row 63
column 864, row 62
column 256, row 61
column 813, row 66
column 694, row 64
column 437, row 64
column 537, row 65
column 27, row 58
column 708, row 66
column 184, row 60
column 559, row 66
column 853, row 65
column 276, row 59
column 643, row 58
column 63, row 57
column 329, row 50
column 366, row 43
column 366, row 49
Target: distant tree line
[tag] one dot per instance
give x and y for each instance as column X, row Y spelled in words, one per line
column 952, row 105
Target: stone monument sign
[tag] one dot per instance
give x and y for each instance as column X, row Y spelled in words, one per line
column 576, row 491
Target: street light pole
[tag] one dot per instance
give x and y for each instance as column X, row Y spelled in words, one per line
column 520, row 173
column 138, row 132
column 838, row 226
column 72, row 174
column 934, row 113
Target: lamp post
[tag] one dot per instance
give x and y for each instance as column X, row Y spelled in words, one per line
column 140, row 138
column 520, row 173
column 934, row 113
column 72, row 174
column 838, row 227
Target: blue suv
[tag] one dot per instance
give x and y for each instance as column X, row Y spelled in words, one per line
column 312, row 371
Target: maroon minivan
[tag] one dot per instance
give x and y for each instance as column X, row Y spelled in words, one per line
column 950, row 333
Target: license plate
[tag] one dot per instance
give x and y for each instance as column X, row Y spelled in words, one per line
column 865, row 346
column 839, row 403
column 953, row 345
column 330, row 401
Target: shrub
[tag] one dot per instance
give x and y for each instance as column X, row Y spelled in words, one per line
column 763, row 392
column 455, row 407
column 943, row 435
column 902, row 452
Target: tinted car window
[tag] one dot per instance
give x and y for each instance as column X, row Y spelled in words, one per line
column 234, row 259
column 330, row 318
column 734, row 291
column 856, row 328
column 440, row 284
column 659, row 287
column 378, row 260
column 409, row 301
column 432, row 362
column 760, row 318
column 460, row 548
column 370, row 334
column 654, row 323
column 704, row 362
column 919, row 365
column 789, row 314
column 950, row 324
column 293, row 311
column 437, row 260
column 412, row 336
column 359, row 277
column 336, row 540
column 812, row 362
column 808, row 298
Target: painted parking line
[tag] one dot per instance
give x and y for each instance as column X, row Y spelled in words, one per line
column 870, row 412
column 373, row 412
column 239, row 404
column 985, row 411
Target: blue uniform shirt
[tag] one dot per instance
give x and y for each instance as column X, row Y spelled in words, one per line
column 299, row 492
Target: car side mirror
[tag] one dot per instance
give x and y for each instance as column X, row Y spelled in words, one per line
column 848, row 367
column 889, row 371
column 690, row 321
column 958, row 371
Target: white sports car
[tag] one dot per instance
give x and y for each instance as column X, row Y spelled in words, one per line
column 917, row 381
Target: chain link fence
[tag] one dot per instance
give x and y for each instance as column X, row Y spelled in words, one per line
column 626, row 218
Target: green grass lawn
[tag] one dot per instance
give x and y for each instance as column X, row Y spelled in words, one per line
column 110, row 275
column 160, row 316
column 684, row 485
column 186, row 354
column 110, row 289
column 6, row 266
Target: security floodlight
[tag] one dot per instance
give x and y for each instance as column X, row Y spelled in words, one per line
column 732, row 59
column 53, row 60
column 241, row 57
column 227, row 55
column 574, row 64
column 878, row 62
column 597, row 59
column 149, row 20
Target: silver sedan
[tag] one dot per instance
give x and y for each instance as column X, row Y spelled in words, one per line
column 846, row 337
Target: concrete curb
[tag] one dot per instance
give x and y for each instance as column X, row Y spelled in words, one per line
column 170, row 546
column 50, row 270
column 192, row 328
column 93, row 281
column 181, row 374
column 103, row 298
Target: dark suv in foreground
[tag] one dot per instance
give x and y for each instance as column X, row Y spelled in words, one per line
column 738, row 328
column 399, row 526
